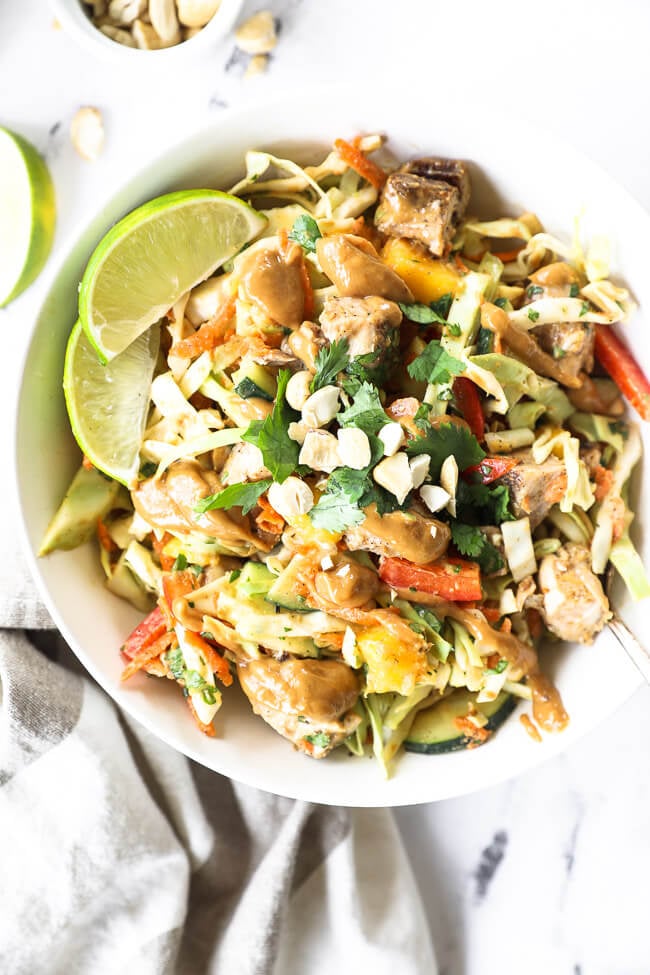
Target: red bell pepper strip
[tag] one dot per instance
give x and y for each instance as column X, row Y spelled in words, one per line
column 452, row 579
column 146, row 654
column 490, row 469
column 468, row 404
column 147, row 632
column 626, row 372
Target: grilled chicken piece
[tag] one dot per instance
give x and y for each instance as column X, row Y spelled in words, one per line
column 305, row 344
column 371, row 325
column 535, row 488
column 575, row 607
column 244, row 463
column 355, row 268
column 303, row 698
column 420, row 209
column 401, row 534
column 597, row 396
column 169, row 503
column 571, row 344
column 452, row 171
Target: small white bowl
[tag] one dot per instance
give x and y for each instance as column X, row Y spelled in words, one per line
column 72, row 16
column 533, row 171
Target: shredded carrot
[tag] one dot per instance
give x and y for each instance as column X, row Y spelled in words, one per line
column 507, row 256
column 177, row 584
column 208, row 336
column 268, row 520
column 491, row 613
column 207, row 729
column 360, row 163
column 460, row 264
column 105, row 539
column 603, row 477
column 217, row 664
column 147, row 654
column 87, row 464
column 166, row 561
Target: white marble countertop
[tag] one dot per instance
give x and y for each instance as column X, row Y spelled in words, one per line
column 545, row 874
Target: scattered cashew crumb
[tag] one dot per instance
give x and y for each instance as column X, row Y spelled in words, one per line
column 87, row 133
column 256, row 65
column 257, row 34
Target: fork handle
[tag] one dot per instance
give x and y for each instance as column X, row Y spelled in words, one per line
column 635, row 651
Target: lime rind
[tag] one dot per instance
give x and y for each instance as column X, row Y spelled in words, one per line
column 108, row 404
column 41, row 215
column 154, row 255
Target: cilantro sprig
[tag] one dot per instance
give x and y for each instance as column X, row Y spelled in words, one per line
column 472, row 543
column 435, row 312
column 320, row 738
column 443, row 441
column 348, row 492
column 244, row 496
column 271, row 435
column 330, row 362
column 435, row 365
column 305, row 231
column 365, row 412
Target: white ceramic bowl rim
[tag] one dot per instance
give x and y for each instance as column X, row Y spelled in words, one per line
column 250, row 754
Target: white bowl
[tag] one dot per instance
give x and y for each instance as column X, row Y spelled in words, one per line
column 72, row 16
column 533, row 172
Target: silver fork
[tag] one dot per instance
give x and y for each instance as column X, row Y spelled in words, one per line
column 635, row 651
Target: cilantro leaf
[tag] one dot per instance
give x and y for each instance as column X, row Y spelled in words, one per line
column 421, row 314
column 574, row 291
column 174, row 660
column 485, row 341
column 421, row 418
column 236, row 495
column 442, row 304
column 305, row 231
column 329, row 363
column 481, row 504
column 271, row 435
column 584, row 308
column 336, row 510
column 441, row 442
column 471, row 542
column 501, row 303
column 320, row 739
column 435, row 365
column 453, row 329
column 365, row 412
column 180, row 563
column 533, row 315
column 534, row 290
column 148, row 469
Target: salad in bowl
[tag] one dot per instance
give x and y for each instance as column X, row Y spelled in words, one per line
column 353, row 448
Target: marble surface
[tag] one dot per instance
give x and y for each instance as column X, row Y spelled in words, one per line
column 545, row 874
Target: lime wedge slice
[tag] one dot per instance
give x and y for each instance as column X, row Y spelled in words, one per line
column 153, row 256
column 27, row 215
column 108, row 404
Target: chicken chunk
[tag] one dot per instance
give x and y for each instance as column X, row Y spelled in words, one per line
column 169, row 503
column 575, row 607
column 571, row 344
column 244, row 463
column 452, row 171
column 307, row 701
column 420, row 209
column 400, row 534
column 535, row 488
column 371, row 326
column 355, row 268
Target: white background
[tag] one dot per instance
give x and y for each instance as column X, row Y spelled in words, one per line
column 545, row 875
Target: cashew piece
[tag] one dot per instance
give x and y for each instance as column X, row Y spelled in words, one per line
column 196, row 13
column 164, row 20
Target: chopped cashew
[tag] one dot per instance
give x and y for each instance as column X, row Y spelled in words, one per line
column 257, row 34
column 87, row 133
column 291, row 498
column 196, row 13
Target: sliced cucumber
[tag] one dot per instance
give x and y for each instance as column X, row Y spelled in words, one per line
column 255, row 580
column 435, row 730
column 283, row 591
column 90, row 496
column 124, row 584
column 254, row 380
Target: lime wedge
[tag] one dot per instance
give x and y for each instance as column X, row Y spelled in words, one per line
column 108, row 405
column 27, row 215
column 153, row 256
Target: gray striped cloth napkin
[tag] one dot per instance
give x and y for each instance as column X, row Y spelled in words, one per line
column 119, row 855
